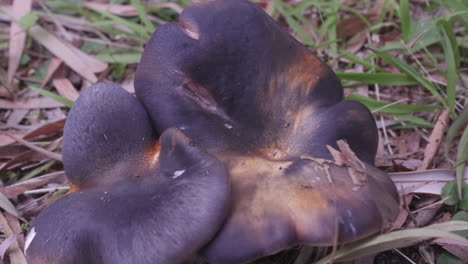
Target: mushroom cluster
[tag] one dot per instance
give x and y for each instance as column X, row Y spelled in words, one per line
column 257, row 152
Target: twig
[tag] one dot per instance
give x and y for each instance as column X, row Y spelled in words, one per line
column 435, row 139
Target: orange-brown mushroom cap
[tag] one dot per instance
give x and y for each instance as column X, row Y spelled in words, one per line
column 162, row 212
column 257, row 99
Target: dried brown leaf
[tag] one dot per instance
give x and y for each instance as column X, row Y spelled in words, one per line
column 49, row 154
column 14, row 190
column 93, row 64
column 16, row 255
column 353, row 25
column 47, row 129
column 17, row 38
column 14, row 223
column 16, row 116
column 6, row 244
column 53, row 67
column 65, row 52
column 65, row 88
column 458, row 250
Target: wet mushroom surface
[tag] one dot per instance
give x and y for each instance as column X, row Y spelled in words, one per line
column 254, row 97
column 135, row 200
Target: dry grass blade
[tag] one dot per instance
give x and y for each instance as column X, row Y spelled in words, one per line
column 33, row 103
column 53, row 67
column 17, row 38
column 65, row 88
column 428, row 181
column 14, row 190
column 16, row 255
column 65, row 52
column 47, row 153
column 6, row 205
column 94, row 65
column 177, row 8
column 14, row 223
column 120, row 10
column 6, row 244
column 46, row 129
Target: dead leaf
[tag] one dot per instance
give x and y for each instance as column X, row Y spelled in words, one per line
column 6, row 244
column 410, row 164
column 53, row 67
column 16, row 116
column 5, row 141
column 65, row 52
column 460, row 251
column 403, row 215
column 93, row 64
column 424, row 215
column 6, row 205
column 16, row 255
column 11, row 151
column 47, row 129
column 17, row 38
column 30, row 145
column 13, row 222
column 14, row 190
column 353, row 25
column 356, row 43
column 127, row 84
column 457, row 248
column 65, row 88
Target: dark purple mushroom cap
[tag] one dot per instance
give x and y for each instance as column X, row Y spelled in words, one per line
column 260, row 101
column 163, row 213
column 108, row 133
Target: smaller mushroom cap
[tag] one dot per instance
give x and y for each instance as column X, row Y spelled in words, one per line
column 164, row 215
column 107, row 137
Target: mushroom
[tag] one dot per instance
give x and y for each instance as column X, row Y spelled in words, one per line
column 133, row 203
column 262, row 103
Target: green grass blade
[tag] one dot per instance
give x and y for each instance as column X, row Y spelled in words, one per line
column 452, row 55
column 37, row 171
column 286, row 13
column 137, row 28
column 378, row 78
column 397, row 239
column 462, row 154
column 459, row 123
column 53, row 96
column 414, row 74
column 150, row 28
column 356, row 60
column 124, row 58
column 405, row 19
column 415, row 121
column 458, row 6
column 389, row 108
